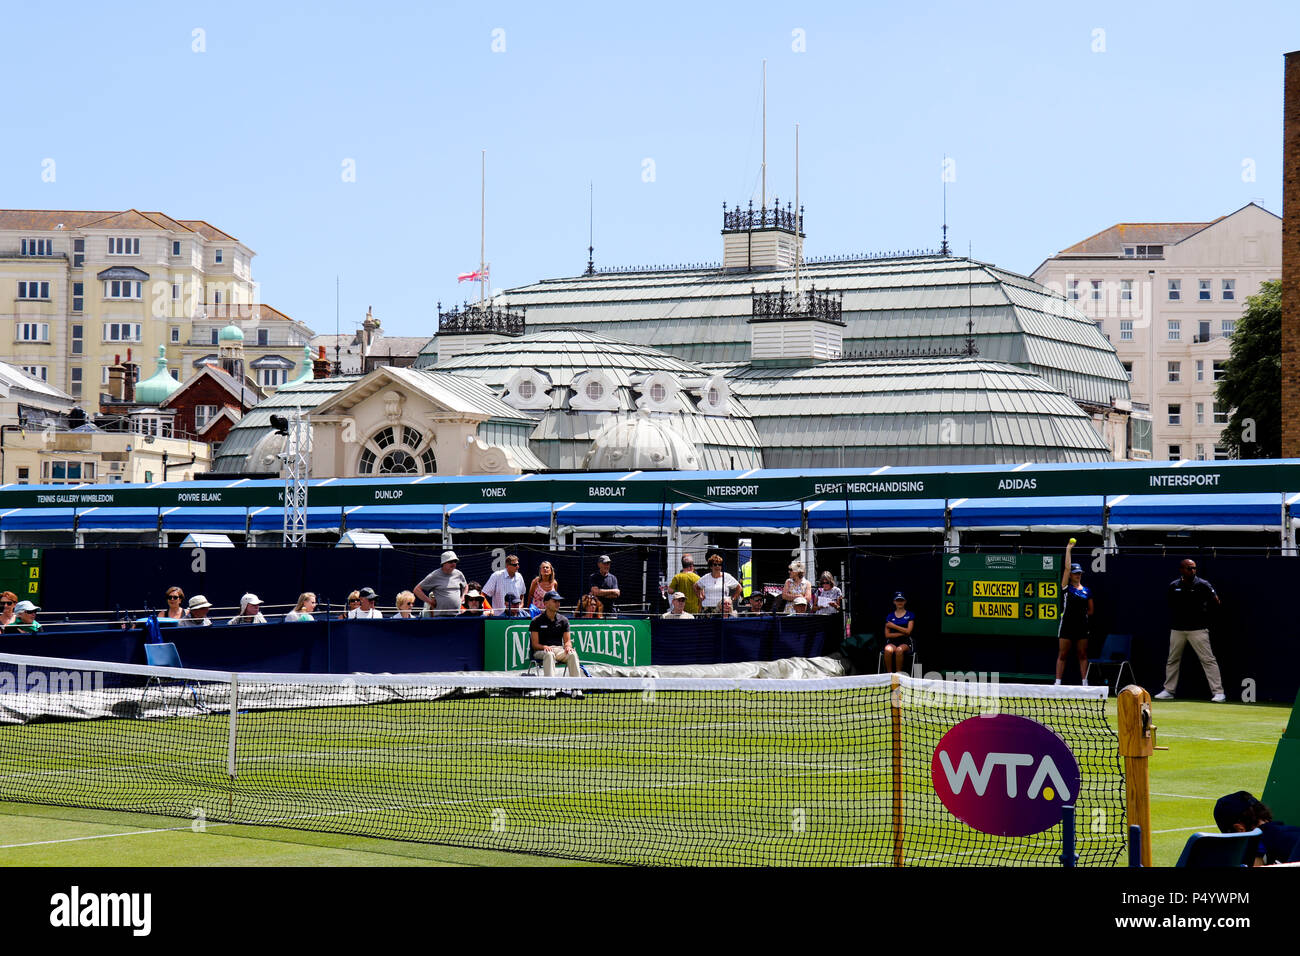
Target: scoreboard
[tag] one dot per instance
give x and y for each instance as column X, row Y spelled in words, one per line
column 1010, row 594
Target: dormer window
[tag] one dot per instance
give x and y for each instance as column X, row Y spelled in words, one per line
column 659, row 392
column 595, row 391
column 528, row 388
column 715, row 396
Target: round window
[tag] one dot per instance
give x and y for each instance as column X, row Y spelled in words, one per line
column 527, row 390
column 658, row 392
column 595, row 391
column 398, row 463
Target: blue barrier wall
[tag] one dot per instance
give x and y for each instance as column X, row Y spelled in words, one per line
column 405, row 647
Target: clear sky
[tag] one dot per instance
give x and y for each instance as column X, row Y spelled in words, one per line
column 1060, row 119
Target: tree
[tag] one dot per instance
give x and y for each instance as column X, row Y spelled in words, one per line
column 1252, row 378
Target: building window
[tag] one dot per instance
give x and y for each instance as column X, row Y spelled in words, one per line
column 204, row 414
column 1128, row 368
column 216, row 297
column 122, row 332
column 1175, row 414
column 410, row 437
column 1219, row 371
column 217, row 256
column 1221, row 413
column 176, row 334
column 1203, row 289
column 78, row 253
column 429, row 461
column 1175, row 329
column 176, row 247
column 398, row 463
column 67, row 472
column 1175, row 371
column 122, row 289
column 385, row 438
column 1229, row 287
column 1096, row 290
column 175, row 373
column 1126, row 290
column 176, row 291
column 1175, row 452
column 1126, row 330
column 76, row 382
column 215, row 333
column 103, row 374
column 37, row 247
column 24, row 476
column 33, row 331
column 1227, row 327
column 595, row 391
column 1144, row 252
column 1200, row 413
column 1175, row 289
column 366, row 465
column 36, row 371
column 1200, row 370
column 78, row 297
column 122, row 246
column 33, row 290
column 1200, row 452
column 263, row 336
column 1073, row 285
column 270, row 377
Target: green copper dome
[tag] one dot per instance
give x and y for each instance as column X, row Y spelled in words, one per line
column 231, row 333
column 159, row 385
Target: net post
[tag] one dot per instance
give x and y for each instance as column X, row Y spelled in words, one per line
column 230, row 749
column 1137, row 738
column 1134, row 846
column 896, row 763
column 1069, row 858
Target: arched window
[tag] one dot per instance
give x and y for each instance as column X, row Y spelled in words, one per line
column 395, row 450
column 399, row 463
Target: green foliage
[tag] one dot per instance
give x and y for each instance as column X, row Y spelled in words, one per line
column 1252, row 380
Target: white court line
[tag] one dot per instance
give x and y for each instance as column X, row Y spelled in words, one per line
column 1182, row 796
column 1232, row 740
column 1184, row 829
column 102, row 836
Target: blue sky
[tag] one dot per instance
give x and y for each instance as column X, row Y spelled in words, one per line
column 1056, row 130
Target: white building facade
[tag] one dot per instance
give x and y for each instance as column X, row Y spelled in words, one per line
column 1168, row 297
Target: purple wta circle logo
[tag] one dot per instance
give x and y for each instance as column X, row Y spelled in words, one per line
column 1004, row 775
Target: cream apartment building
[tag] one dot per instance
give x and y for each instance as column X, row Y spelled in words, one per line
column 80, row 288
column 1168, row 296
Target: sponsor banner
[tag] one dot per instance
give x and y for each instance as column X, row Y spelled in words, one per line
column 1004, row 775
column 1089, row 480
column 627, row 643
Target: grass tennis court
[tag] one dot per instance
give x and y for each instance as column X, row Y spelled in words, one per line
column 1214, row 749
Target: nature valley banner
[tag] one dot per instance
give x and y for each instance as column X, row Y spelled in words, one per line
column 626, row 643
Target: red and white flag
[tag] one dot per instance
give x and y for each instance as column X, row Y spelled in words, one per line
column 472, row 276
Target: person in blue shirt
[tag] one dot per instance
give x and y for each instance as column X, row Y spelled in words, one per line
column 514, row 608
column 899, row 624
column 1076, row 613
column 1240, row 812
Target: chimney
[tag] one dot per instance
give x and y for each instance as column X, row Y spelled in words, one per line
column 115, row 374
column 761, row 239
column 320, row 366
column 1291, row 259
column 130, row 373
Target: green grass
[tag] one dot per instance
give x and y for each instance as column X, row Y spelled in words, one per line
column 515, row 766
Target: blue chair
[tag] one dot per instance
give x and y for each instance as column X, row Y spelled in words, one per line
column 1115, row 653
column 166, row 655
column 1220, row 849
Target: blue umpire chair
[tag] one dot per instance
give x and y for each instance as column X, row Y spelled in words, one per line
column 1220, row 849
column 166, row 655
column 1115, row 652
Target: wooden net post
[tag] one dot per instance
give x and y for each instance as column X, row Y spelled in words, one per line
column 1137, row 740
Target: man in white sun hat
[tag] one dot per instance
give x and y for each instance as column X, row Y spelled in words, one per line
column 443, row 591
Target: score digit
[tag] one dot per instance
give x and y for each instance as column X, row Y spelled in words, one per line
column 950, row 587
column 949, row 608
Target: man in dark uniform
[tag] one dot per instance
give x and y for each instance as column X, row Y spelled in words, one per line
column 1240, row 812
column 549, row 637
column 1191, row 600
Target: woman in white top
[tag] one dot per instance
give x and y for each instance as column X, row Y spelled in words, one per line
column 796, row 585
column 830, row 599
column 302, row 610
column 716, row 585
column 250, row 611
column 405, row 603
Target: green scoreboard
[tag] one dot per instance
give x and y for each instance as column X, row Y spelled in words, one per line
column 20, row 572
column 1009, row 594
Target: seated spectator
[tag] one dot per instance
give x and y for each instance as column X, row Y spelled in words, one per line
column 197, row 613
column 476, row 603
column 679, row 611
column 405, row 602
column 796, row 585
column 1240, row 812
column 798, row 606
column 590, row 606
column 27, row 623
column 727, row 609
column 755, row 603
column 514, row 607
column 175, row 607
column 366, row 606
column 302, row 610
column 354, row 602
column 829, row 598
column 250, row 611
column 7, row 601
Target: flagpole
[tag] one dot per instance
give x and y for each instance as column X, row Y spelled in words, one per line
column 482, row 230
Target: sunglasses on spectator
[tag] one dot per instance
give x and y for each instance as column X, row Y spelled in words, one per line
column 173, row 597
column 6, row 603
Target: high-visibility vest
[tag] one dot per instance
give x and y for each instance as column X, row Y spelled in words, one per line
column 747, row 577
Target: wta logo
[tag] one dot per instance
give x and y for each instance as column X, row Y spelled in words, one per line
column 1004, row 775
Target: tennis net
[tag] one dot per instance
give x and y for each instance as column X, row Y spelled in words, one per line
column 834, row 771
